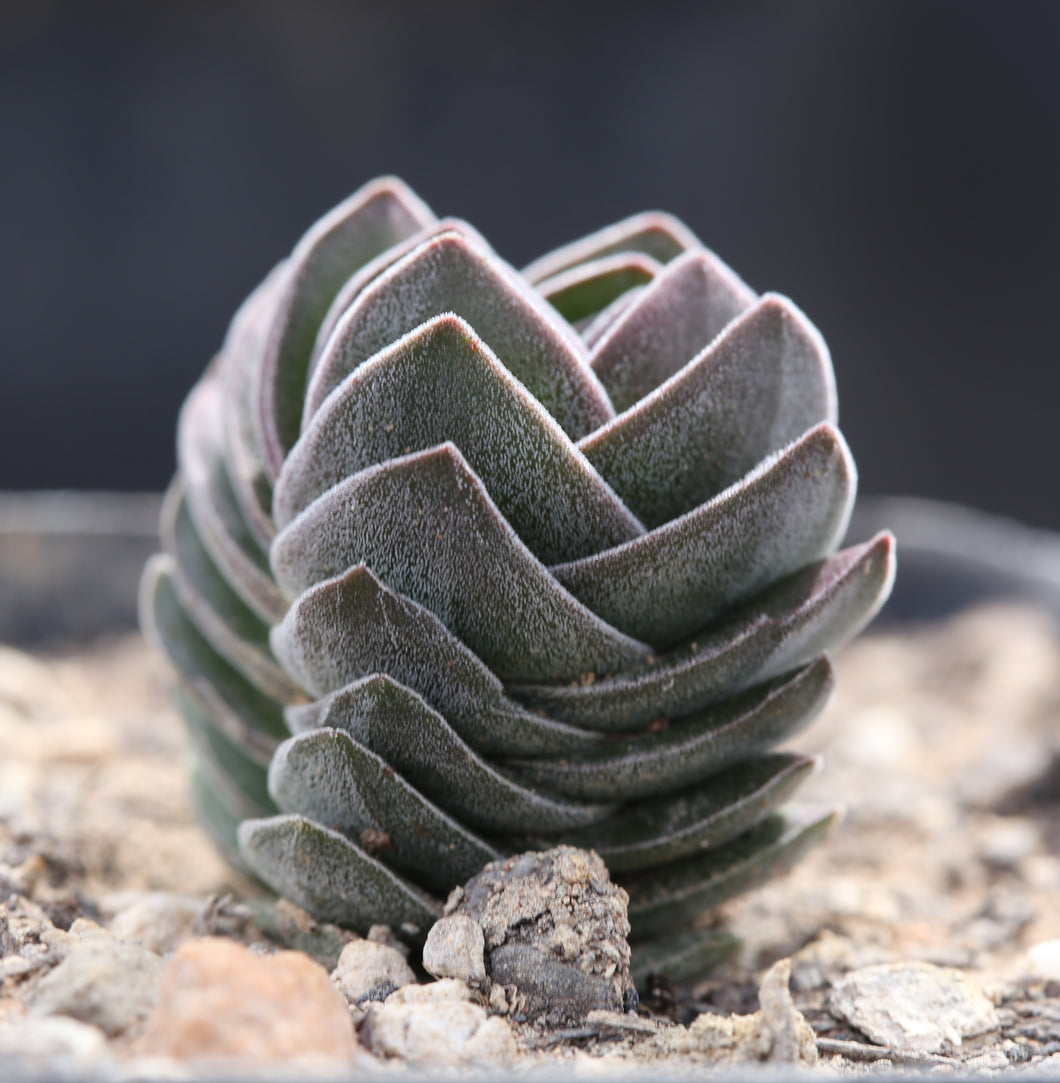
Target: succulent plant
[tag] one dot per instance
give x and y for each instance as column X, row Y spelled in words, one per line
column 460, row 561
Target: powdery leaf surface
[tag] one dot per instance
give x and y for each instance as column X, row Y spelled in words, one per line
column 683, row 311
column 760, row 385
column 654, row 831
column 367, row 224
column 452, row 552
column 655, row 234
column 354, row 626
column 331, row 779
column 416, row 740
column 326, row 874
column 451, row 274
column 582, row 292
column 817, row 609
column 690, row 749
column 439, row 384
column 662, row 587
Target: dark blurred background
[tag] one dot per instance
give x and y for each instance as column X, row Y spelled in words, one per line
column 892, row 166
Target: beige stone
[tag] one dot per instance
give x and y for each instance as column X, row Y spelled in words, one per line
column 370, row 971
column 219, row 999
column 444, row 1031
column 778, row 1033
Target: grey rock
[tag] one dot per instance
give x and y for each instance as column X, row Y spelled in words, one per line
column 545, row 985
column 778, row 1033
column 455, row 948
column 914, row 1007
column 792, row 1040
column 369, row 971
column 157, row 920
column 27, row 932
column 102, row 982
column 555, row 929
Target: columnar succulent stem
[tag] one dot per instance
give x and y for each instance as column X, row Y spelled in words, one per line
column 460, row 561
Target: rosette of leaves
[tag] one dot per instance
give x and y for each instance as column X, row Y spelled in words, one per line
column 461, row 561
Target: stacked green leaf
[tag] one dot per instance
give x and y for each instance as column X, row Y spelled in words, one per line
column 461, row 561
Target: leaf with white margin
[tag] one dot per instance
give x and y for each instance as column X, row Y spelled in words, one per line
column 792, row 509
column 451, row 273
column 354, row 626
column 663, row 899
column 371, row 271
column 653, row 832
column 691, row 749
column 761, row 384
column 815, row 610
column 323, row 872
column 249, row 717
column 398, row 725
column 237, row 367
column 679, row 315
column 655, row 234
column 442, row 383
column 331, row 779
column 376, row 217
column 213, row 504
column 586, row 290
column 451, row 551
column 593, row 330
column 233, row 629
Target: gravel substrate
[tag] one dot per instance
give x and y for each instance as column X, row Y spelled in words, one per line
column 925, row 934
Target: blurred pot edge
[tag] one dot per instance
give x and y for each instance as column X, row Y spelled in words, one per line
column 951, row 556
column 70, row 561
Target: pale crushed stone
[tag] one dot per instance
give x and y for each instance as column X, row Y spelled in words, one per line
column 938, row 740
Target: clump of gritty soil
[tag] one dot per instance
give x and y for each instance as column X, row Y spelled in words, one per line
column 925, row 932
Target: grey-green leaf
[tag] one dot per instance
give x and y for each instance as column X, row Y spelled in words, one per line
column 335, row 781
column 233, row 629
column 761, row 384
column 213, row 505
column 335, row 880
column 233, row 764
column 593, row 330
column 379, row 215
column 667, row 584
column 249, row 717
column 218, row 812
column 237, row 366
column 673, row 320
column 817, row 609
column 661, row 900
column 356, row 285
column 353, row 626
column 659, row 830
column 586, row 290
column 452, row 551
column 655, row 234
column 691, row 749
column 451, row 273
column 442, row 383
column 398, row 725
